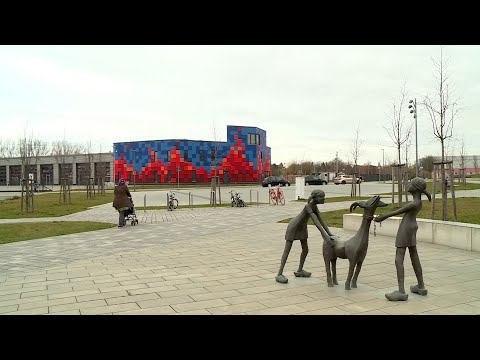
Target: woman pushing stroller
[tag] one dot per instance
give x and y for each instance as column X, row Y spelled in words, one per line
column 122, row 201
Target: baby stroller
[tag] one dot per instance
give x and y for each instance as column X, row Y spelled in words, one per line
column 130, row 214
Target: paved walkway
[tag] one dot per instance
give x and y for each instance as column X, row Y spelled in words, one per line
column 218, row 261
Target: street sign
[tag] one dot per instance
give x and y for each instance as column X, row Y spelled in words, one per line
column 420, row 167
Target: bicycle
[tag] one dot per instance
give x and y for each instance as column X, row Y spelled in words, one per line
column 172, row 201
column 276, row 196
column 280, row 196
column 236, row 200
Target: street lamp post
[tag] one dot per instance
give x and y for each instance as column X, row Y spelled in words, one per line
column 383, row 165
column 413, row 107
column 336, row 161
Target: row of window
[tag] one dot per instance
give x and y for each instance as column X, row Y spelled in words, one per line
column 101, row 170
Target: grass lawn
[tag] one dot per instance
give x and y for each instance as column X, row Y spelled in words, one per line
column 36, row 230
column 466, row 212
column 48, row 205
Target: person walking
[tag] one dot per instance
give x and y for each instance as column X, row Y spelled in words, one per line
column 121, row 201
column 407, row 238
column 297, row 230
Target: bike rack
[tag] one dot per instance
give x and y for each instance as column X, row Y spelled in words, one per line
column 251, row 195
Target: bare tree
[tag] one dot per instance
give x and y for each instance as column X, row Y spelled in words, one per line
column 356, row 151
column 408, row 144
column 28, row 148
column 442, row 115
column 8, row 148
column 307, row 167
column 399, row 131
column 28, row 153
column 215, row 153
column 61, row 150
column 428, row 164
column 293, row 167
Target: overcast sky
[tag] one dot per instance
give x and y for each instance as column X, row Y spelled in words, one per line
column 309, row 99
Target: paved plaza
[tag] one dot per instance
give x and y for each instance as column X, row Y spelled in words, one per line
column 219, row 261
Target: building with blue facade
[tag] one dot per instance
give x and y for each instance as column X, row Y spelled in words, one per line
column 243, row 158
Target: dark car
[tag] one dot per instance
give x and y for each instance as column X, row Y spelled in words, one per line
column 274, row 181
column 314, row 180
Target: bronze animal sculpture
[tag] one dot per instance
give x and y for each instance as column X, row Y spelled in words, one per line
column 354, row 249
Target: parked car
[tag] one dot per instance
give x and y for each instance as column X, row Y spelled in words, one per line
column 315, row 180
column 346, row 179
column 274, row 181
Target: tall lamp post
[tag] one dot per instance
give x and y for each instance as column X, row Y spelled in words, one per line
column 383, row 165
column 134, row 172
column 413, row 107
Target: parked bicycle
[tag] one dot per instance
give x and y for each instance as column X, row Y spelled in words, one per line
column 276, row 196
column 172, row 201
column 236, row 200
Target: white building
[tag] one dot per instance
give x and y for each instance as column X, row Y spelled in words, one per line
column 48, row 170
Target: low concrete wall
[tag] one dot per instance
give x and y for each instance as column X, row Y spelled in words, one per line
column 453, row 234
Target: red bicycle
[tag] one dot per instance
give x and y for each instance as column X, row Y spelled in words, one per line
column 276, row 196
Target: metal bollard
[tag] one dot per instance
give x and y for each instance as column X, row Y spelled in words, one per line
column 213, row 198
column 144, row 203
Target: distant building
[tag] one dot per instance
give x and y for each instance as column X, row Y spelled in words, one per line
column 48, row 170
column 243, row 158
column 471, row 163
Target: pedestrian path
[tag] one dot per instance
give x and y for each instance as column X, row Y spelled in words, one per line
column 219, row 261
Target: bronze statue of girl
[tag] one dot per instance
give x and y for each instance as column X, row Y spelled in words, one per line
column 297, row 230
column 407, row 238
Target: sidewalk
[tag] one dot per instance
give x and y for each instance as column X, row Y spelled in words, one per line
column 220, row 261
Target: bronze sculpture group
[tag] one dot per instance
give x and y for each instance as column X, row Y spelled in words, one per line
column 355, row 249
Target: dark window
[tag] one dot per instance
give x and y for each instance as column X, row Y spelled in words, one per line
column 253, row 139
column 15, row 174
column 3, row 175
column 202, row 157
column 83, row 173
column 185, row 155
column 102, row 170
column 212, row 155
column 46, row 174
column 194, row 175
